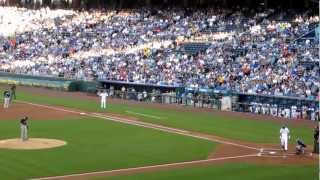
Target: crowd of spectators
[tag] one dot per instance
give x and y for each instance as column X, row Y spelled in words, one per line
column 289, row 112
column 248, row 52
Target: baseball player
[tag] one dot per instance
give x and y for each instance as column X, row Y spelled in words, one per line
column 312, row 113
column 13, row 92
column 316, row 140
column 6, row 96
column 300, row 147
column 287, row 113
column 284, row 137
column 24, row 128
column 274, row 110
column 103, row 95
column 294, row 112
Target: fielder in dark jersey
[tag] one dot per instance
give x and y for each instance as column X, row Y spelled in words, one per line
column 316, row 140
column 24, row 128
column 13, row 92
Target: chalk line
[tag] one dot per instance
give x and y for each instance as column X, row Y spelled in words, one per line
column 145, row 167
column 143, row 124
column 145, row 115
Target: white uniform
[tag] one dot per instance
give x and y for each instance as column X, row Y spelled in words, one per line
column 103, row 96
column 312, row 114
column 274, row 110
column 6, row 101
column 287, row 113
column 24, row 132
column 257, row 108
column 251, row 107
column 284, row 137
column 294, row 112
column 264, row 109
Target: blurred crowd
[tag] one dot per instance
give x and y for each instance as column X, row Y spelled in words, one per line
column 248, row 52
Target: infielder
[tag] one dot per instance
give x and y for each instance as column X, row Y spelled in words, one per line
column 24, row 128
column 13, row 92
column 103, row 96
column 284, row 137
column 6, row 96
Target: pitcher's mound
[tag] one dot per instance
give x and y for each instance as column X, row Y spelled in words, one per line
column 32, row 143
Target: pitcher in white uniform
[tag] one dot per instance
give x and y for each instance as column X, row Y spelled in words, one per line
column 284, row 137
column 103, row 96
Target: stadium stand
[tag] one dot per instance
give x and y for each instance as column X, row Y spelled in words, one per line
column 263, row 52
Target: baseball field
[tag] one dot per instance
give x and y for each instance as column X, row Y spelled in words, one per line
column 133, row 140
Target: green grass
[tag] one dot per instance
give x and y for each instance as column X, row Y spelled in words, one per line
column 94, row 145
column 229, row 127
column 229, row 172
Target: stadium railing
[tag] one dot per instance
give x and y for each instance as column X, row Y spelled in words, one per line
column 298, row 108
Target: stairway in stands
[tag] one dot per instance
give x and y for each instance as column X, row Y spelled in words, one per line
column 194, row 47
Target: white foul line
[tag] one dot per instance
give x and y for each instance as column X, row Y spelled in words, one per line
column 143, row 124
column 171, row 130
column 145, row 115
column 277, row 156
column 138, row 123
column 50, row 107
column 147, row 167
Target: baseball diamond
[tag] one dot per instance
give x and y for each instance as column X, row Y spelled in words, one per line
column 159, row 90
column 84, row 112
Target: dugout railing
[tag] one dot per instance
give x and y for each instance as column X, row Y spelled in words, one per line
column 167, row 98
column 304, row 109
column 285, row 111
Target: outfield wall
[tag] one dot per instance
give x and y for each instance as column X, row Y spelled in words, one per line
column 49, row 82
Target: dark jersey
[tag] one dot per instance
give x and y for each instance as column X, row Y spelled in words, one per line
column 13, row 88
column 23, row 121
column 301, row 143
column 6, row 94
column 316, row 133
